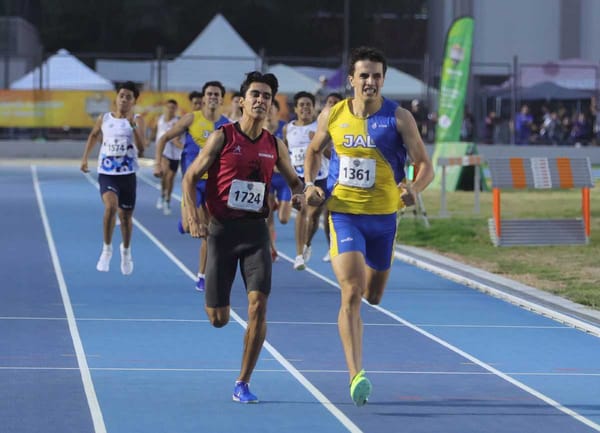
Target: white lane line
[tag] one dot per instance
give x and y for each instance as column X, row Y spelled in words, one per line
column 319, row 371
column 86, row 377
column 515, row 300
column 282, row 322
column 321, row 398
column 466, row 355
column 110, row 319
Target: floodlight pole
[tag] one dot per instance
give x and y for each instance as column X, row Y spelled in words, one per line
column 346, row 42
column 159, row 62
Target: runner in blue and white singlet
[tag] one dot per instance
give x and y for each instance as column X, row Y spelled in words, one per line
column 118, row 154
column 123, row 139
column 298, row 134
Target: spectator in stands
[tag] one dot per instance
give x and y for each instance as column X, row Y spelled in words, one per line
column 581, row 131
column 523, row 125
column 466, row 129
column 566, row 126
column 321, row 93
column 595, row 110
column 489, row 127
column 551, row 130
column 420, row 115
column 432, row 119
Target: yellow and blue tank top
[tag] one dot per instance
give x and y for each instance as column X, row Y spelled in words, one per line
column 367, row 161
column 196, row 136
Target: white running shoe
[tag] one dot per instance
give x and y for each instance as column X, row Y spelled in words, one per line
column 306, row 253
column 159, row 203
column 299, row 263
column 327, row 257
column 103, row 264
column 126, row 261
column 166, row 208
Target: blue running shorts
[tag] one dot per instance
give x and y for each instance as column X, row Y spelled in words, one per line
column 280, row 188
column 372, row 235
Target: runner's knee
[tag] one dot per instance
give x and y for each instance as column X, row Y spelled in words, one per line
column 351, row 296
column 373, row 297
column 217, row 317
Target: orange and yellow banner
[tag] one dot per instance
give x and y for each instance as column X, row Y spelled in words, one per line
column 80, row 109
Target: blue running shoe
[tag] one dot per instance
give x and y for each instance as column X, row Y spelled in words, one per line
column 180, row 227
column 200, row 284
column 242, row 394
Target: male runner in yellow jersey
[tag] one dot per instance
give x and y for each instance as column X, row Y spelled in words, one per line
column 197, row 126
column 371, row 138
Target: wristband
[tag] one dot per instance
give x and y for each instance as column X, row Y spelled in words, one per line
column 307, row 184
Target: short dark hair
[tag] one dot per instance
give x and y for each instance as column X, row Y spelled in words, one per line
column 335, row 95
column 236, row 95
column 171, row 101
column 366, row 53
column 213, row 84
column 303, row 94
column 194, row 94
column 129, row 85
column 258, row 77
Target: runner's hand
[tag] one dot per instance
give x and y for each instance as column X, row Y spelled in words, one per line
column 157, row 170
column 197, row 228
column 407, row 195
column 84, row 167
column 298, row 201
column 314, row 195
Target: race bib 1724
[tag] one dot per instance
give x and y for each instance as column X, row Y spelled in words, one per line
column 246, row 195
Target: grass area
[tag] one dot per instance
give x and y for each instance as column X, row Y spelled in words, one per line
column 569, row 271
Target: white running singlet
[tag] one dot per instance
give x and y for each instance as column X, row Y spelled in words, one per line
column 118, row 153
column 298, row 138
column 170, row 151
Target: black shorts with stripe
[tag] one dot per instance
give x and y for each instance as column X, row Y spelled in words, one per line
column 123, row 185
column 244, row 241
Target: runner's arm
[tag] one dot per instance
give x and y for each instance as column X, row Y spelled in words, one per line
column 416, row 149
column 139, row 126
column 177, row 130
column 320, row 141
column 91, row 142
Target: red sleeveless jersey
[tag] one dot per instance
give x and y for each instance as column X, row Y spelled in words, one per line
column 243, row 159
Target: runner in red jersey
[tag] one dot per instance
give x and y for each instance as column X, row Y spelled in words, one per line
column 240, row 159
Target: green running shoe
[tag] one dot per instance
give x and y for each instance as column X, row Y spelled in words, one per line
column 360, row 389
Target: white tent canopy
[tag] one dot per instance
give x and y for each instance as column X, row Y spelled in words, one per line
column 398, row 85
column 141, row 71
column 292, row 81
column 63, row 71
column 402, row 86
column 218, row 53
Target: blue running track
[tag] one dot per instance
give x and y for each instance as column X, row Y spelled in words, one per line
column 89, row 352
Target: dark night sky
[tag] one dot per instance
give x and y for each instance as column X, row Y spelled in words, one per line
column 281, row 28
